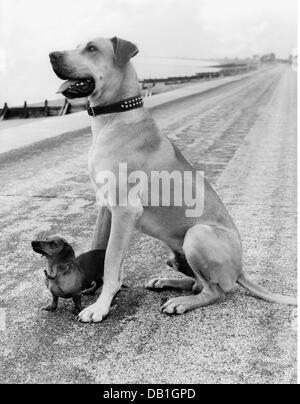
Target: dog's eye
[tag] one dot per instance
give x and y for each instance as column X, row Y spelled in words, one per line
column 91, row 48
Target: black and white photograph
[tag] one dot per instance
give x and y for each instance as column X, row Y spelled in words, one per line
column 148, row 195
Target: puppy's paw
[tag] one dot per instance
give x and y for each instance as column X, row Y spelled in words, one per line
column 51, row 307
column 93, row 314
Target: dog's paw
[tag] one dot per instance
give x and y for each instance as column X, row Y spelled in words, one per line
column 177, row 305
column 50, row 308
column 156, row 284
column 93, row 314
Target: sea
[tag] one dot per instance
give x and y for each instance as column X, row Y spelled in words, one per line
column 167, row 67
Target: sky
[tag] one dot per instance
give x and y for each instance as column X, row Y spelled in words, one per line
column 30, row 29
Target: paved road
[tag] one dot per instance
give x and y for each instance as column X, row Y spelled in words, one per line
column 244, row 136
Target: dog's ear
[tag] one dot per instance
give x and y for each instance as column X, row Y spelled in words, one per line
column 124, row 50
column 67, row 251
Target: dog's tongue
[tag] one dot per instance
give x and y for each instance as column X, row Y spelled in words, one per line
column 77, row 88
column 65, row 86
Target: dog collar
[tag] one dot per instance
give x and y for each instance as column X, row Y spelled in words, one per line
column 54, row 278
column 121, row 106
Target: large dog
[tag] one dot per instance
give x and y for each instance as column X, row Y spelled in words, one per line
column 207, row 248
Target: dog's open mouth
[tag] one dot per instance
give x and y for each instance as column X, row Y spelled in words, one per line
column 77, row 88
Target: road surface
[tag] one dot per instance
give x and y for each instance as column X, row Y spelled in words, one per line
column 243, row 135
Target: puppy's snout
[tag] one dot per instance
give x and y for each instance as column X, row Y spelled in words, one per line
column 34, row 244
column 55, row 56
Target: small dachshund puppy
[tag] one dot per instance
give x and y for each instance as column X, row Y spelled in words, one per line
column 69, row 276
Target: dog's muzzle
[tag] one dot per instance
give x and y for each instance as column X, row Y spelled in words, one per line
column 37, row 248
column 73, row 87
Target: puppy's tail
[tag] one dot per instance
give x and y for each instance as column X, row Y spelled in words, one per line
column 263, row 293
column 91, row 290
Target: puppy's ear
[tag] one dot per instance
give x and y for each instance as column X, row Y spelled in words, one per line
column 67, row 251
column 124, row 50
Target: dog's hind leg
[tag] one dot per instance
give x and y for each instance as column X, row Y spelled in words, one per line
column 180, row 305
column 214, row 256
column 179, row 263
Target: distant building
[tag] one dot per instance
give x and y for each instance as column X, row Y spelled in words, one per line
column 269, row 58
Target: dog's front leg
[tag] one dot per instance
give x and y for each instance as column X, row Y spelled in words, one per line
column 102, row 229
column 53, row 305
column 122, row 225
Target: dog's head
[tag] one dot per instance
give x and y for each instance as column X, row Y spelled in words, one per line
column 52, row 247
column 93, row 68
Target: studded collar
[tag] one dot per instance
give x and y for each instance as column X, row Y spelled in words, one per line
column 121, row 106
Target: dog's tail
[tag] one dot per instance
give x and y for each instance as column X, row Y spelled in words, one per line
column 263, row 293
column 91, row 290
